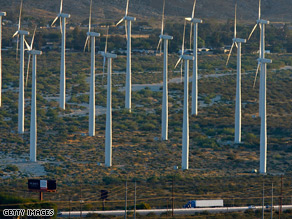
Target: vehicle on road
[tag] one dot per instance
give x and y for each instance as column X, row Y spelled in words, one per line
column 204, row 204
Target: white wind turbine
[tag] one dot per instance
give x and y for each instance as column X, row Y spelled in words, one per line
column 262, row 103
column 166, row 38
column 108, row 129
column 33, row 118
column 185, row 135
column 128, row 23
column 195, row 22
column 62, row 18
column 237, row 42
column 264, row 139
column 22, row 35
column 92, row 36
column 1, row 15
column 262, row 24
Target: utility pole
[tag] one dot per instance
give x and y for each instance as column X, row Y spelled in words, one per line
column 172, row 197
column 263, row 207
column 80, row 201
column 126, row 200
column 272, row 201
column 135, row 201
column 281, row 198
column 69, row 207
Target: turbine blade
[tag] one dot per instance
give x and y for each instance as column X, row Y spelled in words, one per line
column 159, row 43
column 54, row 21
column 20, row 12
column 15, row 34
column 61, row 7
column 257, row 71
column 27, row 72
column 260, row 9
column 106, row 40
column 184, row 36
column 230, row 53
column 61, row 25
column 27, row 45
column 194, row 8
column 32, row 40
column 127, row 8
column 120, row 22
column 89, row 26
column 255, row 26
column 86, row 41
column 17, row 45
column 235, row 21
column 179, row 60
column 126, row 29
column 191, row 35
column 163, row 11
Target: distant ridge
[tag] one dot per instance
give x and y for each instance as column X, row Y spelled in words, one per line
column 111, row 10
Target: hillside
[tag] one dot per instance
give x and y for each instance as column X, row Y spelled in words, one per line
column 104, row 10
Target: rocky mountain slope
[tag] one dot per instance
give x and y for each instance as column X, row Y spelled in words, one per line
column 150, row 10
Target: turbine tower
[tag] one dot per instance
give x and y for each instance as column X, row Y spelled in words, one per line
column 262, row 24
column 186, row 137
column 1, row 15
column 195, row 22
column 33, row 118
column 128, row 23
column 166, row 38
column 92, row 36
column 62, row 18
column 108, row 129
column 20, row 33
column 237, row 42
column 263, row 140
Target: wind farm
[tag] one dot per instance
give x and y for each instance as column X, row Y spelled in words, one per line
column 156, row 115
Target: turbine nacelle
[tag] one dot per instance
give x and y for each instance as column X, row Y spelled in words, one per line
column 265, row 61
column 194, row 20
column 93, row 34
column 239, row 40
column 187, row 57
column 128, row 18
column 34, row 52
column 64, row 15
column 108, row 55
column 2, row 14
column 166, row 37
column 261, row 21
column 23, row 32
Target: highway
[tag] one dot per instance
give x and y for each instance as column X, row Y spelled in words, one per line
column 177, row 211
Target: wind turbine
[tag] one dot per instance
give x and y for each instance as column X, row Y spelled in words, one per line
column 262, row 24
column 92, row 36
column 263, row 140
column 62, row 18
column 33, row 118
column 166, row 38
column 237, row 42
column 128, row 23
column 108, row 129
column 195, row 22
column 185, row 135
column 22, row 35
column 1, row 15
